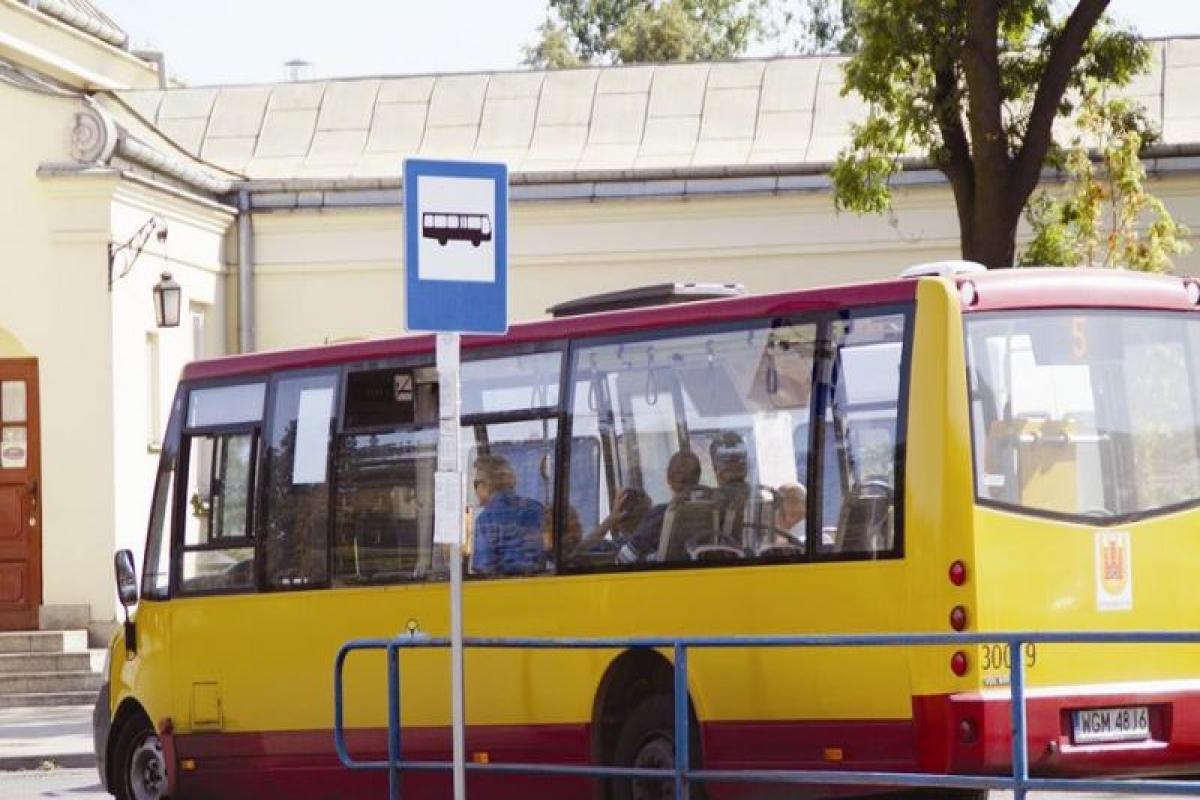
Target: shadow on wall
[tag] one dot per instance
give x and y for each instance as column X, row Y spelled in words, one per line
column 11, row 347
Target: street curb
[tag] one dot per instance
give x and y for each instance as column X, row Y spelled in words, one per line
column 63, row 761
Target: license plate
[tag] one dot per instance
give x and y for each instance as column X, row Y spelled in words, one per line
column 1129, row 724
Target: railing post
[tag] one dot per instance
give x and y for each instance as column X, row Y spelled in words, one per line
column 682, row 735
column 339, row 740
column 393, row 673
column 1020, row 754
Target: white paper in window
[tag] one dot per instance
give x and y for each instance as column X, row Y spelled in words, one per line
column 312, row 436
column 774, row 448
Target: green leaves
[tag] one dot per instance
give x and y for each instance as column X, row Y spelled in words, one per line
column 1104, row 217
column 639, row 31
column 974, row 86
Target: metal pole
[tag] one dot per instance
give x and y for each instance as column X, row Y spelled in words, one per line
column 448, row 528
column 682, row 735
column 1020, row 756
column 393, row 673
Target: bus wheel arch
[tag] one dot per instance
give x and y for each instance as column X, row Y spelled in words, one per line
column 631, row 680
column 129, row 723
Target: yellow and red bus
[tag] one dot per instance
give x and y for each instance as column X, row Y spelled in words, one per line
column 953, row 451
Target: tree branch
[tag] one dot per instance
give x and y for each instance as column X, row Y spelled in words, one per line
column 1065, row 53
column 957, row 165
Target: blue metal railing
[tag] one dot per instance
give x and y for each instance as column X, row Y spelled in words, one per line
column 682, row 774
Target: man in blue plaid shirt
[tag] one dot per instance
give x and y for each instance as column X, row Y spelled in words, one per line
column 508, row 530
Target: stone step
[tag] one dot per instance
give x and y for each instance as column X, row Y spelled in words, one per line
column 43, row 699
column 29, row 682
column 46, row 662
column 44, row 642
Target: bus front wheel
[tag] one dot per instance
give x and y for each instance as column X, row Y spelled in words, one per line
column 647, row 741
column 140, row 768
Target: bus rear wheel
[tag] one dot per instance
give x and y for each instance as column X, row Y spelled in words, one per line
column 140, row 768
column 647, row 741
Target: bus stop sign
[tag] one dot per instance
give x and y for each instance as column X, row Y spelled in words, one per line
column 456, row 246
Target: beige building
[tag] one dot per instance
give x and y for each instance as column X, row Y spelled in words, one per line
column 282, row 206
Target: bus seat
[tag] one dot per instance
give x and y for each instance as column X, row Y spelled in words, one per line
column 865, row 519
column 688, row 519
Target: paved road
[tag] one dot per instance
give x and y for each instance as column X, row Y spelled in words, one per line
column 82, row 784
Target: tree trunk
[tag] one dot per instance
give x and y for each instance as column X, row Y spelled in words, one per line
column 988, row 230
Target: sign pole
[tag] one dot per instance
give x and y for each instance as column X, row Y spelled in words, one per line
column 456, row 281
column 449, row 521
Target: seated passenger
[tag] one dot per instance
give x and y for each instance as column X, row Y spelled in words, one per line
column 628, row 511
column 791, row 508
column 683, row 475
column 507, row 537
column 731, row 466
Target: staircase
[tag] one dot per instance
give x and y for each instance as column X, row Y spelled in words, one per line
column 48, row 668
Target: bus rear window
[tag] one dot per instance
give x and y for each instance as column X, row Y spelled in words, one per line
column 1091, row 414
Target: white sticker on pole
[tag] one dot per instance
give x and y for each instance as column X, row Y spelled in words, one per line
column 447, row 507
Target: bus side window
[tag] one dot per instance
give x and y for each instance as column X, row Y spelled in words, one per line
column 510, row 420
column 156, row 566
column 296, row 482
column 693, row 437
column 863, row 435
column 215, row 496
column 385, row 460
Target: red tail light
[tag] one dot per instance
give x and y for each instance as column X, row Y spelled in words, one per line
column 958, row 618
column 958, row 663
column 958, row 573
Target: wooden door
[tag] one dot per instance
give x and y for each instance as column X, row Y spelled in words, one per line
column 20, row 493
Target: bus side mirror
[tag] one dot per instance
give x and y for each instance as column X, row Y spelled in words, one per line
column 127, row 588
column 127, row 592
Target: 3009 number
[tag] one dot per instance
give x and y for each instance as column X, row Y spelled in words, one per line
column 999, row 656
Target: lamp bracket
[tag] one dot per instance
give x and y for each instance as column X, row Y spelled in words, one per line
column 133, row 247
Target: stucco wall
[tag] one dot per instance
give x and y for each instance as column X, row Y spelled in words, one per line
column 55, row 305
column 330, row 275
column 192, row 253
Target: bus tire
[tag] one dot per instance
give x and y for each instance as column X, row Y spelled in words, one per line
column 647, row 740
column 139, row 768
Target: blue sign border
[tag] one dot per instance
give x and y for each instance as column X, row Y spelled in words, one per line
column 455, row 306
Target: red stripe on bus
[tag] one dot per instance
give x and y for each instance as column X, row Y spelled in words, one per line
column 252, row 765
column 614, row 322
column 302, row 764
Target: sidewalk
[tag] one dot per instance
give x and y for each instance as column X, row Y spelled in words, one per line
column 31, row 738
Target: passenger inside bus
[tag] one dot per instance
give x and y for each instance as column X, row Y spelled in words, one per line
column 652, row 539
column 601, row 543
column 507, row 538
column 730, row 465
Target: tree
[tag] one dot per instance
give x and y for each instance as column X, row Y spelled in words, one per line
column 1069, row 230
column 811, row 27
column 974, row 86
column 638, row 31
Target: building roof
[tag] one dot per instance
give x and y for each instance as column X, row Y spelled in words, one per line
column 85, row 16
column 784, row 113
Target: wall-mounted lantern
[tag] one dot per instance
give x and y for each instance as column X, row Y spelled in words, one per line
column 168, row 296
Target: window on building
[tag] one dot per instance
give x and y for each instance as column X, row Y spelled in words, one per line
column 153, row 393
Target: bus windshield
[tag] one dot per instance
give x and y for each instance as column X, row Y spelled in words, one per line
column 1090, row 414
